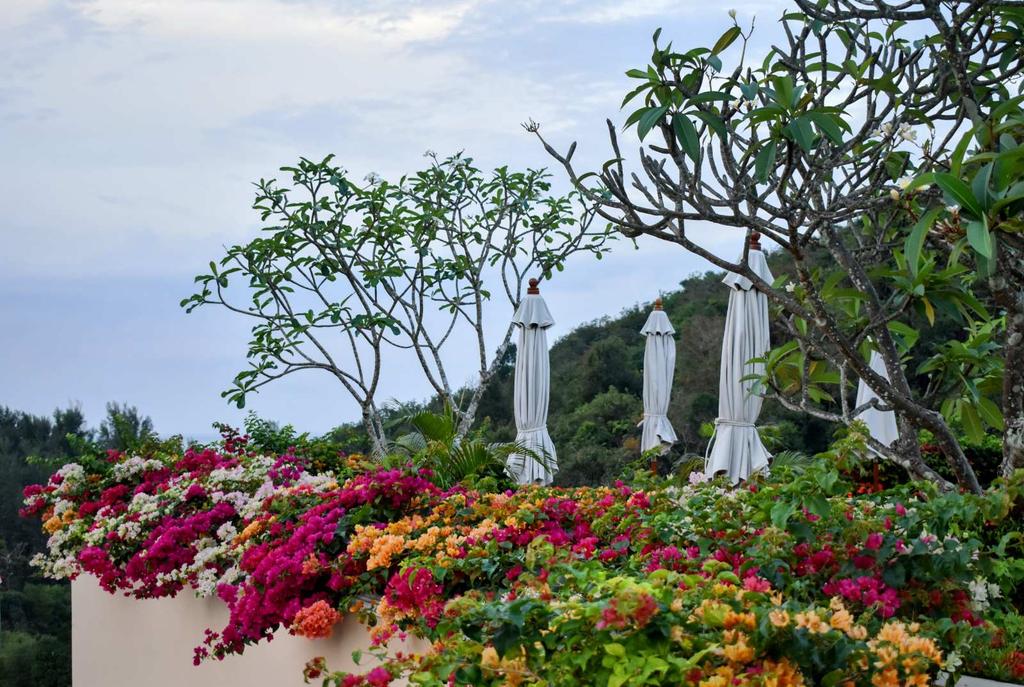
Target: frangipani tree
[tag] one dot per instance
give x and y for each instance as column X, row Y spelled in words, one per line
column 344, row 272
column 879, row 147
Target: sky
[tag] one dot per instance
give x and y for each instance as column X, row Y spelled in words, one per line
column 131, row 132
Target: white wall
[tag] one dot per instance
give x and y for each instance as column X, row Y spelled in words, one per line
column 122, row 642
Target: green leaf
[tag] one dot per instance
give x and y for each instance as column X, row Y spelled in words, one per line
column 799, row 129
column 726, row 39
column 972, row 422
column 980, row 238
column 990, row 413
column 686, row 132
column 959, row 193
column 781, row 512
column 827, row 125
column 649, row 119
column 715, row 122
column 615, row 649
column 979, row 187
column 765, row 161
column 915, row 241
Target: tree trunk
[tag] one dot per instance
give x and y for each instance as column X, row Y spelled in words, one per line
column 375, row 430
column 1013, row 388
column 908, row 449
column 1008, row 293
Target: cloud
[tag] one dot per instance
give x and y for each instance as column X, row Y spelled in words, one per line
column 133, row 129
column 255, row 21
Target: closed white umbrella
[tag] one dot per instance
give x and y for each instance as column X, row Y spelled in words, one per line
column 659, row 367
column 881, row 424
column 736, row 447
column 532, row 389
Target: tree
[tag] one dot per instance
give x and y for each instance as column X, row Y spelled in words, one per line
column 817, row 149
column 124, row 428
column 344, row 273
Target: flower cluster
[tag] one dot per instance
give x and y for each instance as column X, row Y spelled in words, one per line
column 766, row 585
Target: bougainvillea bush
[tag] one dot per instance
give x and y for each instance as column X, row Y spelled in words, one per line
column 789, row 580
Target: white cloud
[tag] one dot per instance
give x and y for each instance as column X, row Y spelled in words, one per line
column 15, row 13
column 132, row 130
column 262, row 20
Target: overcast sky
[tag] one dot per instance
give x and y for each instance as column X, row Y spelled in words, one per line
column 131, row 131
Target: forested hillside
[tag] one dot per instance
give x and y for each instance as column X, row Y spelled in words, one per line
column 35, row 615
column 597, row 383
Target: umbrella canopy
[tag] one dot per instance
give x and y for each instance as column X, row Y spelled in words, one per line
column 532, row 388
column 736, row 447
column 659, row 367
column 881, row 424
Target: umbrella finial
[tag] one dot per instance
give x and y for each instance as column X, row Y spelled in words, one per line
column 755, row 240
column 533, row 290
column 657, row 303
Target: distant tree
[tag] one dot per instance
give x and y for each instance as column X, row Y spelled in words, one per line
column 610, row 363
column 35, row 615
column 816, row 146
column 344, row 272
column 124, row 428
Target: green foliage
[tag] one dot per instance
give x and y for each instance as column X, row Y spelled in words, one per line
column 913, row 161
column 596, row 373
column 343, row 270
column 437, row 446
column 124, row 428
column 35, row 615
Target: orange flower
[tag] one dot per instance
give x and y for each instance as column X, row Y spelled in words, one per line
column 842, row 620
column 316, row 620
column 812, row 622
column 383, row 549
column 52, row 525
column 886, row 678
column 250, row 531
column 779, row 618
column 781, row 674
column 734, row 619
column 739, row 652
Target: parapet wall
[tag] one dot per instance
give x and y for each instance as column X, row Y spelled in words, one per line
column 124, row 642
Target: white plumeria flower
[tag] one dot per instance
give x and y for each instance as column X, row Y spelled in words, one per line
column 791, row 287
column 904, row 182
column 979, row 593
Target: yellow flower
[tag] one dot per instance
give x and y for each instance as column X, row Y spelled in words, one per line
column 857, row 632
column 489, row 658
column 812, row 622
column 841, row 620
column 779, row 618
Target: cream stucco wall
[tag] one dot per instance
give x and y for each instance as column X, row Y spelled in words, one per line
column 122, row 642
